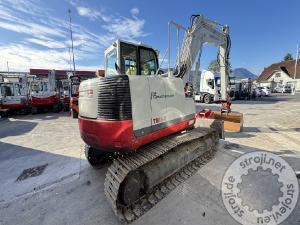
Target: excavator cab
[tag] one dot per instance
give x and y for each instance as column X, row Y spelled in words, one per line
column 130, row 59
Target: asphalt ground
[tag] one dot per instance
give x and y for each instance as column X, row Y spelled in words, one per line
column 45, row 178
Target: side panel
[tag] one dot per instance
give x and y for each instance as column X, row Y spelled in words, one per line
column 178, row 106
column 140, row 100
column 158, row 102
column 174, row 98
column 14, row 101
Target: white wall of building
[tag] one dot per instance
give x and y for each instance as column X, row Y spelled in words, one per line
column 280, row 77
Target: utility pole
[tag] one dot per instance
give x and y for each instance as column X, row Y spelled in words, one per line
column 296, row 62
column 295, row 72
column 72, row 46
column 7, row 66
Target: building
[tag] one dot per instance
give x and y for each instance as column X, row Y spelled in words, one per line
column 281, row 73
column 61, row 74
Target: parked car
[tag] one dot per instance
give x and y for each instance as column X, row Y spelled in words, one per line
column 283, row 89
column 287, row 89
column 278, row 89
column 257, row 92
column 265, row 91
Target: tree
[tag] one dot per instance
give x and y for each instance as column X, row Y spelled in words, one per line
column 288, row 56
column 215, row 67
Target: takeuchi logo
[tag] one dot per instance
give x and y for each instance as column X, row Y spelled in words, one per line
column 260, row 188
column 154, row 95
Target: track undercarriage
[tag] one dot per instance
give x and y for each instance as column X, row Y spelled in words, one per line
column 137, row 181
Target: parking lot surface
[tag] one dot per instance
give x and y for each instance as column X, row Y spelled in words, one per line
column 45, row 178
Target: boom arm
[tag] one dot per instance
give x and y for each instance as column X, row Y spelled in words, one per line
column 204, row 31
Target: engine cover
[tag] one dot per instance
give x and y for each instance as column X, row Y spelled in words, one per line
column 124, row 112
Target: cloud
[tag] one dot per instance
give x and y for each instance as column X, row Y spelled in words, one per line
column 44, row 39
column 31, row 28
column 24, row 6
column 134, row 11
column 84, row 11
column 127, row 28
column 47, row 42
column 23, row 56
column 92, row 14
column 118, row 26
column 16, row 21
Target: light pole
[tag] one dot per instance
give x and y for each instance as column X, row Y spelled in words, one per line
column 72, row 46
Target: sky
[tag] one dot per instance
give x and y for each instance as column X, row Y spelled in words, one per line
column 35, row 33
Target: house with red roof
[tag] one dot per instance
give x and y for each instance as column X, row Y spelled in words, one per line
column 280, row 74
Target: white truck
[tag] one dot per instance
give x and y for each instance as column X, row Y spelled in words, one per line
column 208, row 87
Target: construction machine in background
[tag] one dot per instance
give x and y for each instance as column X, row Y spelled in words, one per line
column 44, row 95
column 14, row 93
column 65, row 94
column 75, row 81
column 74, row 92
column 142, row 119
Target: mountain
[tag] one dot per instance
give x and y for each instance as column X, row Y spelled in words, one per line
column 241, row 73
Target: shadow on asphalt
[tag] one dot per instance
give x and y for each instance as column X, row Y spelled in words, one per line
column 248, row 132
column 8, row 128
column 42, row 116
column 64, row 192
column 264, row 100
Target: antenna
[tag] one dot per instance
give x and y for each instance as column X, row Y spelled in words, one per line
column 70, row 59
column 72, row 46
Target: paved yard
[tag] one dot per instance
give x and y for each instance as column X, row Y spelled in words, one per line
column 63, row 189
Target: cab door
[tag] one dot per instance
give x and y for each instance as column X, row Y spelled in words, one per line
column 7, row 91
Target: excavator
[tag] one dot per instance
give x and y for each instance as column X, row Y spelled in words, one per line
column 138, row 117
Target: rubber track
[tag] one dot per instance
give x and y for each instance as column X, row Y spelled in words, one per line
column 121, row 166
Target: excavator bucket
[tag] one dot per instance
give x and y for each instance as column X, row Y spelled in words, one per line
column 205, row 118
column 233, row 121
column 216, row 124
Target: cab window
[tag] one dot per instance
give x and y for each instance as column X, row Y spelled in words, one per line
column 7, row 90
column 111, row 59
column 75, row 89
column 129, row 59
column 148, row 62
column 210, row 83
column 18, row 89
column 35, row 87
column 44, row 86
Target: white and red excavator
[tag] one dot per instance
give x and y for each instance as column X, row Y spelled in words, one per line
column 14, row 93
column 44, row 94
column 142, row 119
